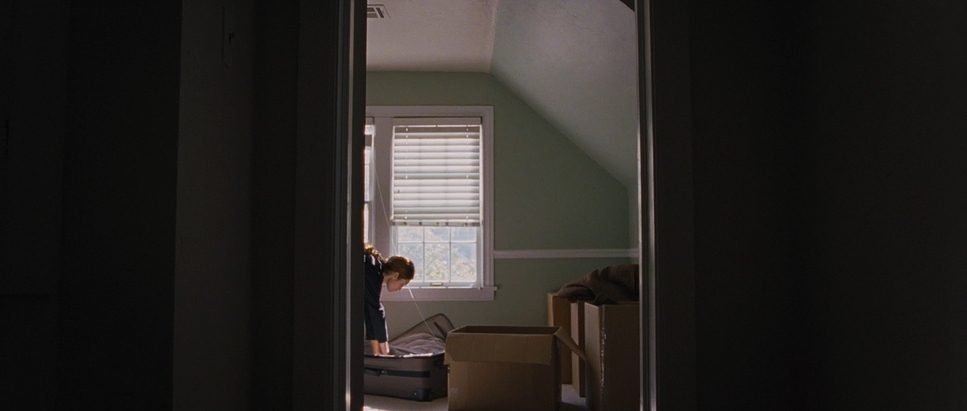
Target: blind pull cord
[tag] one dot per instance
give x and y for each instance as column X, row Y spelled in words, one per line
column 382, row 204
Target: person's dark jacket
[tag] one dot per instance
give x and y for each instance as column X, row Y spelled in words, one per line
column 374, row 314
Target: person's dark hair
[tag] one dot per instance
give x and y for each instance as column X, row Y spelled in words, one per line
column 401, row 265
column 395, row 263
column 369, row 249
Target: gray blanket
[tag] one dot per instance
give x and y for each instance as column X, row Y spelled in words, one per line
column 606, row 285
column 413, row 345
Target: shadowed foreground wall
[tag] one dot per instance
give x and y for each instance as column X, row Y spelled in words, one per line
column 885, row 198
column 118, row 251
column 213, row 245
column 33, row 43
column 829, row 224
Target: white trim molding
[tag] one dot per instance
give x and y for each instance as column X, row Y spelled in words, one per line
column 587, row 253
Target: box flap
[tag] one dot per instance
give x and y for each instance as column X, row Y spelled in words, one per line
column 562, row 335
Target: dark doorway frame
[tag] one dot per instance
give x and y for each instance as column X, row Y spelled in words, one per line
column 668, row 366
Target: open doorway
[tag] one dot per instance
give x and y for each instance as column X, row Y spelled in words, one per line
column 561, row 79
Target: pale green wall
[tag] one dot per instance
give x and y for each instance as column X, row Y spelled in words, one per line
column 548, row 194
column 521, row 296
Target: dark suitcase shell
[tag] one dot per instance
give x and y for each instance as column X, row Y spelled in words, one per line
column 413, row 378
column 420, row 377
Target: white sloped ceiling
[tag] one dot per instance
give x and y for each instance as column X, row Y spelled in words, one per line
column 431, row 35
column 574, row 61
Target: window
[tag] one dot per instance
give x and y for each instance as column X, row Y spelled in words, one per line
column 367, row 179
column 428, row 196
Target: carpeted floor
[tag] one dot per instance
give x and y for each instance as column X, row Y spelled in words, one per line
column 569, row 402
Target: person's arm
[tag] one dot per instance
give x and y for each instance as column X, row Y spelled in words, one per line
column 376, row 327
column 374, row 313
column 375, row 346
column 379, row 348
column 379, row 331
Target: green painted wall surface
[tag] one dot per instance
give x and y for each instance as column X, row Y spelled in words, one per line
column 521, row 299
column 548, row 194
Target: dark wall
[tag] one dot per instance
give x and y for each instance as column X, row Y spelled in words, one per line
column 667, row 205
column 33, row 46
column 744, row 96
column 95, row 185
column 304, row 98
column 273, row 155
column 885, row 178
column 116, row 283
column 213, row 262
column 88, row 203
column 325, row 309
column 829, row 224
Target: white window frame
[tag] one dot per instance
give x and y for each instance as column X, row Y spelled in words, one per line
column 367, row 226
column 382, row 118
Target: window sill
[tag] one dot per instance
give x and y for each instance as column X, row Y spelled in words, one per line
column 440, row 294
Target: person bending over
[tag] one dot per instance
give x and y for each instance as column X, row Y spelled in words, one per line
column 395, row 272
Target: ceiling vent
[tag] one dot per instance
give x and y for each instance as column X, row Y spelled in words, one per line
column 376, row 11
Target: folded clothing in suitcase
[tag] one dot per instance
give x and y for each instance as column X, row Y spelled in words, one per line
column 414, row 369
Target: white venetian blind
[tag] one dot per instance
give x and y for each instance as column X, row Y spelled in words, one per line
column 436, row 171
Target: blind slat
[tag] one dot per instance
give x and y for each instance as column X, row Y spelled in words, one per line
column 436, row 172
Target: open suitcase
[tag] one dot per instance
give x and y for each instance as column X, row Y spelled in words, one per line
column 417, row 376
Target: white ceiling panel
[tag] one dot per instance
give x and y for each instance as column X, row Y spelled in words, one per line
column 432, row 35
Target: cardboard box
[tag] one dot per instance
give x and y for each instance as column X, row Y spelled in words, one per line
column 559, row 315
column 611, row 342
column 578, row 366
column 505, row 368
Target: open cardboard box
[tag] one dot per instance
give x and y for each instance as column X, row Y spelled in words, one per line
column 505, row 367
column 559, row 315
column 611, row 339
column 578, row 367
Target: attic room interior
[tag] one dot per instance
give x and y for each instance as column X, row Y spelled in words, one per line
column 176, row 195
column 560, row 78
